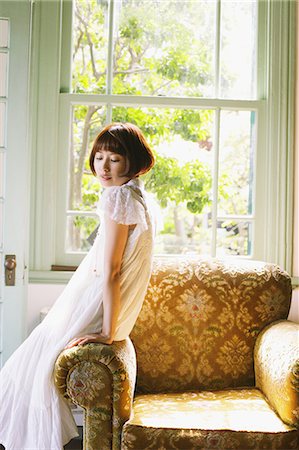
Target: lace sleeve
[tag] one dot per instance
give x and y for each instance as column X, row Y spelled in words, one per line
column 124, row 205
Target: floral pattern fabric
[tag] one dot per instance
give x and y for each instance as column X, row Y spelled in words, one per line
column 276, row 362
column 99, row 378
column 227, row 419
column 194, row 342
column 200, row 320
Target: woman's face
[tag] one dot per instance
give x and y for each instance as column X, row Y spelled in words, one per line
column 111, row 168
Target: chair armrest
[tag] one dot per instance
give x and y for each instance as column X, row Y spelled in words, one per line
column 276, row 367
column 101, row 379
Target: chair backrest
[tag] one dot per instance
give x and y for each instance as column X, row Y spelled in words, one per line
column 200, row 319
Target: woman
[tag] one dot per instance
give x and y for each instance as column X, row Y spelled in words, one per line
column 100, row 303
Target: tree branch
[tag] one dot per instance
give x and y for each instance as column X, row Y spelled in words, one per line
column 77, row 46
column 130, row 71
column 84, row 147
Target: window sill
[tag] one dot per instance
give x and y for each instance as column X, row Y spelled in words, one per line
column 49, row 277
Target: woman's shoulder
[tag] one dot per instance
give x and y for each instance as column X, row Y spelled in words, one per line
column 124, row 204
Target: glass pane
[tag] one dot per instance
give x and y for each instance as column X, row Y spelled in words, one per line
column 81, row 232
column 236, row 163
column 1, row 334
column 238, row 49
column 3, row 74
column 1, row 284
column 181, row 179
column 1, row 174
column 90, row 37
column 1, row 223
column 164, row 47
column 234, row 238
column 4, row 32
column 83, row 186
column 2, row 124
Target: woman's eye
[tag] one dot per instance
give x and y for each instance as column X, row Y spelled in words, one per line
column 99, row 158
column 115, row 160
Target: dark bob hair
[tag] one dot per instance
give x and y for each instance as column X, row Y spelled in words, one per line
column 125, row 139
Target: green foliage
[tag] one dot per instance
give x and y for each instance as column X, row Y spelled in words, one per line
column 157, row 51
column 171, row 182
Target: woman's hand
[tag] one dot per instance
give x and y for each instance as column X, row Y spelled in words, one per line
column 92, row 337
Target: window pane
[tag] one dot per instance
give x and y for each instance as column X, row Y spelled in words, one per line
column 164, row 48
column 2, row 160
column 181, row 179
column 4, row 32
column 234, row 238
column 90, row 33
column 238, row 49
column 236, row 160
column 3, row 74
column 1, row 223
column 83, row 186
column 81, row 231
column 2, row 124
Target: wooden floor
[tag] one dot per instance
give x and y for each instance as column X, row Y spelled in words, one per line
column 75, row 444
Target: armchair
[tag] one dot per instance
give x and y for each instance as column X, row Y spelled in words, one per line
column 217, row 364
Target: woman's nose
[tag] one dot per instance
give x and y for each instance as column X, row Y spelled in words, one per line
column 106, row 166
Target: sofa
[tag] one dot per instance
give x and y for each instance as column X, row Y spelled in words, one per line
column 211, row 363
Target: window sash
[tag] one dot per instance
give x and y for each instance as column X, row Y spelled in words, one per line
column 67, row 101
column 275, row 125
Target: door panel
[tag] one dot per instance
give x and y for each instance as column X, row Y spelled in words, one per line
column 15, row 23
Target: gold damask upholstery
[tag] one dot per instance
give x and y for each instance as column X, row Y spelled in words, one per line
column 194, row 342
column 101, row 379
column 276, row 363
column 202, row 319
column 227, row 419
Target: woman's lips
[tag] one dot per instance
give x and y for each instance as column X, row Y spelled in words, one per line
column 105, row 178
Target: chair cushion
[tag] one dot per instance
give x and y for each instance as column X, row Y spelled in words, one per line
column 200, row 320
column 227, row 419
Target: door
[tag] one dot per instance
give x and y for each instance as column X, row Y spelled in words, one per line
column 15, row 23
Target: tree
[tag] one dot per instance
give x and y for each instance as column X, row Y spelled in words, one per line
column 161, row 50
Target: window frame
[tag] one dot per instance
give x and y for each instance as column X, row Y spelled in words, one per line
column 268, row 195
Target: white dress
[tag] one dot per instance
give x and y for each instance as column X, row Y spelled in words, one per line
column 33, row 415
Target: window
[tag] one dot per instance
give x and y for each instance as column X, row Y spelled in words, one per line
column 201, row 80
column 129, row 54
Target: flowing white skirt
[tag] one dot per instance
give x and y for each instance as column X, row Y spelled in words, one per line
column 33, row 415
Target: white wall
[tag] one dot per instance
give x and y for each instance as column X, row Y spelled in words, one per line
column 40, row 296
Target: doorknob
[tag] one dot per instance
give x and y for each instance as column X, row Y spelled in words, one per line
column 10, row 273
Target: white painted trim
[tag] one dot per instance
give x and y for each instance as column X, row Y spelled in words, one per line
column 280, row 127
column 156, row 101
column 109, row 78
column 44, row 109
column 66, row 46
column 217, row 48
column 215, row 178
column 64, row 130
column 48, row 276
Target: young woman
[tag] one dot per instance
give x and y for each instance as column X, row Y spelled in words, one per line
column 100, row 303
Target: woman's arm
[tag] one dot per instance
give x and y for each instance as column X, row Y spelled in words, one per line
column 115, row 242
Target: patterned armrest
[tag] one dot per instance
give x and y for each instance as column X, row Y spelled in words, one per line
column 101, row 379
column 276, row 362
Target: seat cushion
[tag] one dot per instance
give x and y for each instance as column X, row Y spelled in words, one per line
column 227, row 419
